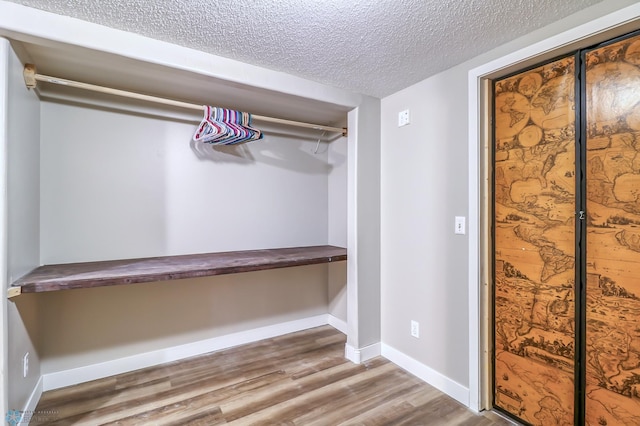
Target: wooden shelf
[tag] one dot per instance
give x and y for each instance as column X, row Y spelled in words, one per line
column 131, row 271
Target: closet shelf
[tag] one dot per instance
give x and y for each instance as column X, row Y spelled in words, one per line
column 130, row 271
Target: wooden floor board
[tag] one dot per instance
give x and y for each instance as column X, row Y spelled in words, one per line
column 324, row 395
column 300, row 379
column 187, row 411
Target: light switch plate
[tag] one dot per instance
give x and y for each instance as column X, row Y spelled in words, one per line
column 460, row 225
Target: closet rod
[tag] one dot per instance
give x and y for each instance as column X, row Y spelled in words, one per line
column 31, row 78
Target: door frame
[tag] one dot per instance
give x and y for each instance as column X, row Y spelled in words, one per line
column 598, row 30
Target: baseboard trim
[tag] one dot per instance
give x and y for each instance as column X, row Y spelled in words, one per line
column 428, row 374
column 87, row 373
column 358, row 356
column 29, row 411
column 338, row 324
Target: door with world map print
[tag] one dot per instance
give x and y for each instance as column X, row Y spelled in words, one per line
column 534, row 244
column 612, row 98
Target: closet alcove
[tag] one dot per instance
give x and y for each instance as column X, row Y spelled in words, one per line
column 96, row 178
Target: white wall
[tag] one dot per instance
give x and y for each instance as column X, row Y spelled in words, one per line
column 4, row 273
column 424, row 271
column 363, row 290
column 118, row 185
column 425, row 266
column 337, row 207
column 338, row 162
column 23, row 200
column 121, row 185
column 92, row 326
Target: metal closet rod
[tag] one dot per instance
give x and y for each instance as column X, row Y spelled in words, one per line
column 31, row 78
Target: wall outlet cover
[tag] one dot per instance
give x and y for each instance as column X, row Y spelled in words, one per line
column 403, row 118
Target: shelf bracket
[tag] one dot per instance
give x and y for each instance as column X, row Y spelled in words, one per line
column 29, row 75
column 14, row 292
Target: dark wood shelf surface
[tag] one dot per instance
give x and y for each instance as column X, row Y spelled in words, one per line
column 131, row 271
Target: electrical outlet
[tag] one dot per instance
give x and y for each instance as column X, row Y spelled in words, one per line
column 415, row 329
column 403, row 118
column 25, row 365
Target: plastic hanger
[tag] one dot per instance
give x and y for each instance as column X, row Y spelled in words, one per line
column 222, row 126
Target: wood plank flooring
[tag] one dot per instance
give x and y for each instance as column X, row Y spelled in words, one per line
column 297, row 379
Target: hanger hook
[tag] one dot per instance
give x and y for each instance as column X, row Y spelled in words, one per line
column 318, row 144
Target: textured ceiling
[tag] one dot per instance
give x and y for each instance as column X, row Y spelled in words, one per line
column 375, row 47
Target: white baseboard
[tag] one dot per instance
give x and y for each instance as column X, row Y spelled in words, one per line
column 74, row 376
column 338, row 324
column 29, row 411
column 429, row 375
column 361, row 355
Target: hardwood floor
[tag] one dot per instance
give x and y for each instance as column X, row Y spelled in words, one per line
column 297, row 379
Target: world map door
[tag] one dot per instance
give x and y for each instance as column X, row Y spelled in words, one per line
column 612, row 98
column 534, row 190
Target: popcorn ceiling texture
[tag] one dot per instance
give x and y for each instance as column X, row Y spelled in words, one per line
column 375, row 47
